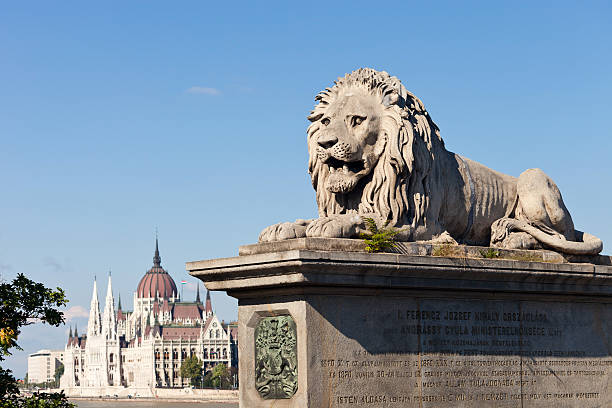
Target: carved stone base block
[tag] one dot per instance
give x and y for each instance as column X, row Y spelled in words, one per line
column 347, row 329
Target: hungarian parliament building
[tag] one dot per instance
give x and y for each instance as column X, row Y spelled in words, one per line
column 144, row 348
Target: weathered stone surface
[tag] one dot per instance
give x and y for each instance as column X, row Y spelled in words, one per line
column 472, row 351
column 376, row 152
column 423, row 248
column 394, row 330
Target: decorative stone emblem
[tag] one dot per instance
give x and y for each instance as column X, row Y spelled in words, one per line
column 276, row 357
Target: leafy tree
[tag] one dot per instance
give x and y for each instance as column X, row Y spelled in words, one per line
column 207, row 381
column 221, row 377
column 234, row 375
column 379, row 239
column 8, row 385
column 192, row 368
column 24, row 302
column 39, row 400
column 59, row 371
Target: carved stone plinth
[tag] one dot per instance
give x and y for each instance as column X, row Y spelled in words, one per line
column 398, row 330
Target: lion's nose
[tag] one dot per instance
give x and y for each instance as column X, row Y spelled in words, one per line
column 327, row 140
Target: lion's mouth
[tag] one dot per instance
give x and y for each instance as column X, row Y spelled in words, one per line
column 336, row 165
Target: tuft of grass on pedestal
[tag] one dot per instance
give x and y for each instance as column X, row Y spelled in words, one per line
column 378, row 239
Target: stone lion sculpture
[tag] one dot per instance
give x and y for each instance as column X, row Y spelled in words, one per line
column 376, row 152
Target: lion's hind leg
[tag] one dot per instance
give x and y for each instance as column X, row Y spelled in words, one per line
column 541, row 219
column 541, row 205
column 508, row 233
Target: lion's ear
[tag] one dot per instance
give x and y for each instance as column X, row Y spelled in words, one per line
column 390, row 99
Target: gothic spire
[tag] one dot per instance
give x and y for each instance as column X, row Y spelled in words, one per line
column 94, row 323
column 109, row 324
column 76, row 331
column 208, row 307
column 119, row 305
column 156, row 258
column 198, row 294
column 70, row 334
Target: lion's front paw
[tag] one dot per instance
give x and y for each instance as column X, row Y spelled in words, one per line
column 282, row 231
column 344, row 226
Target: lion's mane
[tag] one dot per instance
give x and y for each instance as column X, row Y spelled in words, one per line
column 399, row 186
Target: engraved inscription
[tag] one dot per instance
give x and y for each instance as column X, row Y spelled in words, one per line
column 447, row 353
column 276, row 357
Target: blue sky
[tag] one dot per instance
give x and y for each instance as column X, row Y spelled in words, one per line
column 120, row 117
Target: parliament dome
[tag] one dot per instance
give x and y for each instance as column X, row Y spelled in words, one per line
column 156, row 282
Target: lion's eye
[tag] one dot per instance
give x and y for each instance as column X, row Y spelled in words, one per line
column 357, row 120
column 325, row 121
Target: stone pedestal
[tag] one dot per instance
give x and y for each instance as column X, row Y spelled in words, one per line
column 406, row 330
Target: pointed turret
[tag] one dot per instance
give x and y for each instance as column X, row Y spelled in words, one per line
column 109, row 325
column 94, row 323
column 70, row 336
column 120, row 315
column 75, row 340
column 198, row 294
column 156, row 257
column 208, row 308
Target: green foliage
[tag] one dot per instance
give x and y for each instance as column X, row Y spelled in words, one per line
column 59, row 371
column 221, row 377
column 207, row 381
column 489, row 253
column 192, row 369
column 378, row 239
column 8, row 385
column 24, row 302
column 42, row 400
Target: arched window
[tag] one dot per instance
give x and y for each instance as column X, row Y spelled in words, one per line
column 224, row 352
column 218, row 353
column 217, row 333
column 111, row 357
column 205, row 353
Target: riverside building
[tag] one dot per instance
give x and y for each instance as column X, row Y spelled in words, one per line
column 42, row 365
column 144, row 348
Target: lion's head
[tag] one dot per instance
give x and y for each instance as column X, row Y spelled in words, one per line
column 371, row 146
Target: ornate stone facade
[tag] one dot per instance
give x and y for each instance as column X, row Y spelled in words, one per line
column 144, row 348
